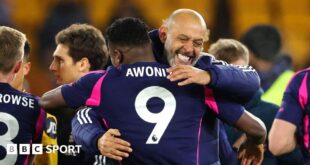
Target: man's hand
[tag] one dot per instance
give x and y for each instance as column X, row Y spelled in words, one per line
column 189, row 75
column 239, row 141
column 251, row 153
column 113, row 147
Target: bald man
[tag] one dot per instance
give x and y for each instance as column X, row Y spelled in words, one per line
column 183, row 35
column 184, row 48
column 181, row 39
column 179, row 43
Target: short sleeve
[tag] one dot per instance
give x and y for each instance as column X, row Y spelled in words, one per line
column 83, row 90
column 230, row 112
column 226, row 110
column 291, row 109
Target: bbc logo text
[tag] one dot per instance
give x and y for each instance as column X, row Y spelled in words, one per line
column 38, row 149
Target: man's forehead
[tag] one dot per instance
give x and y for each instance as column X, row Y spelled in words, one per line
column 188, row 20
column 189, row 36
column 191, row 30
column 61, row 51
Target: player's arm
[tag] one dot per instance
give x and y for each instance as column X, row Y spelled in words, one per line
column 283, row 130
column 237, row 82
column 52, row 99
column 74, row 95
column 86, row 130
column 252, row 149
column 282, row 137
column 253, row 127
column 112, row 146
column 234, row 114
column 89, row 132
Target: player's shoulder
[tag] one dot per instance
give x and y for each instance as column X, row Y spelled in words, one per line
column 208, row 59
column 302, row 73
column 28, row 96
column 146, row 64
column 138, row 67
column 93, row 75
column 206, row 54
column 26, row 100
column 299, row 76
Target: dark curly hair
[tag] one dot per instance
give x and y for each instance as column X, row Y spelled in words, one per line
column 128, row 31
column 86, row 41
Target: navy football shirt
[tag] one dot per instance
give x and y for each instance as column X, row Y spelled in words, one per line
column 161, row 120
column 295, row 108
column 21, row 122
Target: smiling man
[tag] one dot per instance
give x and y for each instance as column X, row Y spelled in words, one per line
column 179, row 43
column 129, row 52
column 183, row 41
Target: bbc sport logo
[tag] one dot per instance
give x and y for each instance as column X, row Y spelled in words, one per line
column 38, row 149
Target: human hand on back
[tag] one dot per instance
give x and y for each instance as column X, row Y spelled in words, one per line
column 111, row 146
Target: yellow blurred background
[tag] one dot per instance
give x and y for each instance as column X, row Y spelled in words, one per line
column 225, row 18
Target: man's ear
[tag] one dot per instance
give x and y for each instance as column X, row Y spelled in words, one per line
column 26, row 67
column 163, row 33
column 17, row 66
column 118, row 57
column 84, row 65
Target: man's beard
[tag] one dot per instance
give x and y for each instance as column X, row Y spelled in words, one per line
column 169, row 58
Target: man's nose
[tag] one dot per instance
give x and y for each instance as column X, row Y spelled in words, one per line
column 52, row 66
column 188, row 47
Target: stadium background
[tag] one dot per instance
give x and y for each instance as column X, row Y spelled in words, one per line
column 41, row 19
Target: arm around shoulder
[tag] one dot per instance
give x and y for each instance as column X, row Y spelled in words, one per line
column 52, row 99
